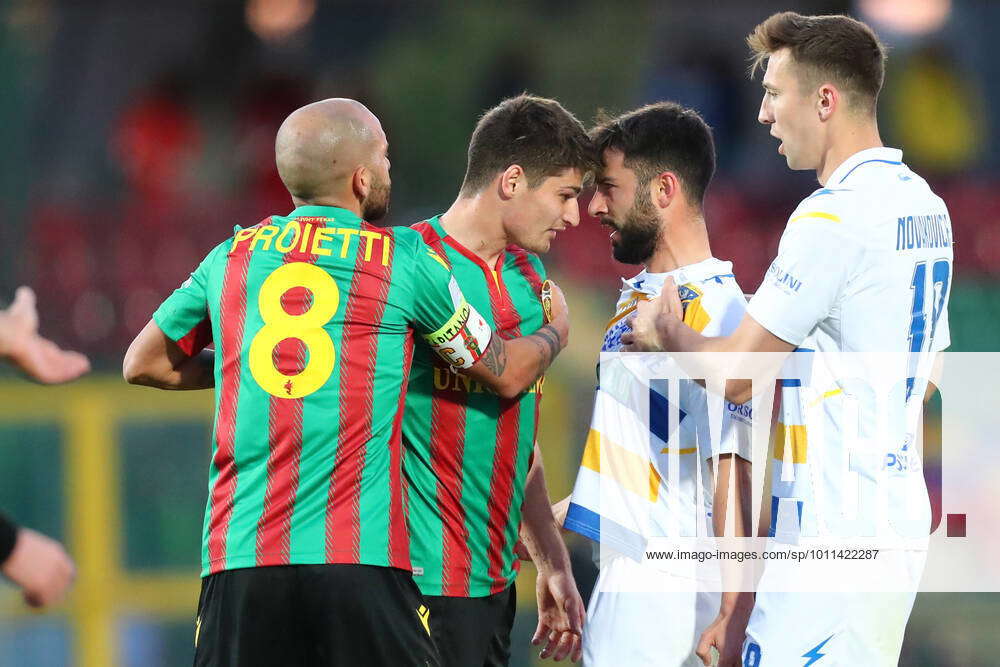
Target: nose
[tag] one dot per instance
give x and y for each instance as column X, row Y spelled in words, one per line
column 598, row 205
column 571, row 216
column 764, row 115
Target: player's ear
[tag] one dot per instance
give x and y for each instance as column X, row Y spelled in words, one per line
column 665, row 188
column 827, row 100
column 512, row 181
column 361, row 182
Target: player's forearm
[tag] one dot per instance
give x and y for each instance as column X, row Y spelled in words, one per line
column 732, row 495
column 195, row 372
column 539, row 530
column 509, row 367
column 735, row 603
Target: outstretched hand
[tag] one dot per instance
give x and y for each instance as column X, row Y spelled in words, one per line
column 37, row 357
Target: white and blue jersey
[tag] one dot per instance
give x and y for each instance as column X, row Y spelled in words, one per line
column 622, row 496
column 864, row 266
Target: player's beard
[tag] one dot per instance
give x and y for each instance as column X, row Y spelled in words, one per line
column 639, row 232
column 376, row 204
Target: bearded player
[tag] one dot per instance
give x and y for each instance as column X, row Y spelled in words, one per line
column 314, row 315
column 657, row 163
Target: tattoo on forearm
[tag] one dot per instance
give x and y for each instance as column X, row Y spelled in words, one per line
column 495, row 356
column 548, row 341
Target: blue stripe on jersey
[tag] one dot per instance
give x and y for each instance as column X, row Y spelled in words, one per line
column 590, row 524
column 866, row 162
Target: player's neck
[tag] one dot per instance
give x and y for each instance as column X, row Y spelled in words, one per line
column 851, row 139
column 352, row 206
column 473, row 223
column 681, row 245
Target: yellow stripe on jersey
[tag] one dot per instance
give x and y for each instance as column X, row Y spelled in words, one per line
column 695, row 315
column 628, row 308
column 682, row 450
column 631, row 471
column 829, row 394
column 816, row 214
column 437, row 258
column 796, row 434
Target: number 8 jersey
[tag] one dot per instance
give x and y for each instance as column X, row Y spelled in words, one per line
column 313, row 318
column 864, row 265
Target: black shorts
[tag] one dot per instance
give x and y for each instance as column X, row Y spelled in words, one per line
column 312, row 615
column 470, row 632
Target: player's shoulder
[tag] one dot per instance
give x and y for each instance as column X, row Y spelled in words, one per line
column 827, row 206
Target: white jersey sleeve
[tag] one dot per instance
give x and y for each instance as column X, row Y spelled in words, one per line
column 817, row 256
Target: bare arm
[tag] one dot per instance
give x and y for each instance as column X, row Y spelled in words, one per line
column 560, row 607
column 511, row 366
column 154, row 360
column 732, row 494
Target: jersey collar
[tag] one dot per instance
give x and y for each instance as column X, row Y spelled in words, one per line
column 341, row 215
column 879, row 155
column 651, row 283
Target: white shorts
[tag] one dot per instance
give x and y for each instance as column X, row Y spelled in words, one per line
column 659, row 626
column 850, row 628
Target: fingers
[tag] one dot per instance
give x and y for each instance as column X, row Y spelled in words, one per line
column 24, row 302
column 574, row 611
column 46, row 362
column 704, row 650
column 540, row 631
column 671, row 299
column 577, row 653
column 560, row 645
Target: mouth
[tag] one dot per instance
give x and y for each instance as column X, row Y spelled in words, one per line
column 610, row 224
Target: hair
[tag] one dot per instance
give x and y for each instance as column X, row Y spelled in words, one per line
column 662, row 137
column 840, row 48
column 536, row 133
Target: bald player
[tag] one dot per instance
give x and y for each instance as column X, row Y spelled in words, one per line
column 313, row 316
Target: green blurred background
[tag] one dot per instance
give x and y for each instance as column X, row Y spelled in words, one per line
column 137, row 134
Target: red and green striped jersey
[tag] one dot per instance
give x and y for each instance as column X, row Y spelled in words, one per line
column 467, row 449
column 312, row 316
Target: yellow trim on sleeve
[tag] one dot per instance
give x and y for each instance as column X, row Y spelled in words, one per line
column 829, row 394
column 816, row 214
column 632, row 471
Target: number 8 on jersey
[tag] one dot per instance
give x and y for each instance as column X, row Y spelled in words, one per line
column 307, row 327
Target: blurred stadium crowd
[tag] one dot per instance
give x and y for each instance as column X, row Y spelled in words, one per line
column 140, row 136
column 137, row 134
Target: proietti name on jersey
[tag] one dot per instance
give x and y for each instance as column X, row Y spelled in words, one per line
column 295, row 235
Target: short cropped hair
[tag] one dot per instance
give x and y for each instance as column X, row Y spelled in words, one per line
column 536, row 133
column 662, row 137
column 840, row 48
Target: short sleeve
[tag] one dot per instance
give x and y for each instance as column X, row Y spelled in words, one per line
column 184, row 316
column 805, row 281
column 442, row 315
